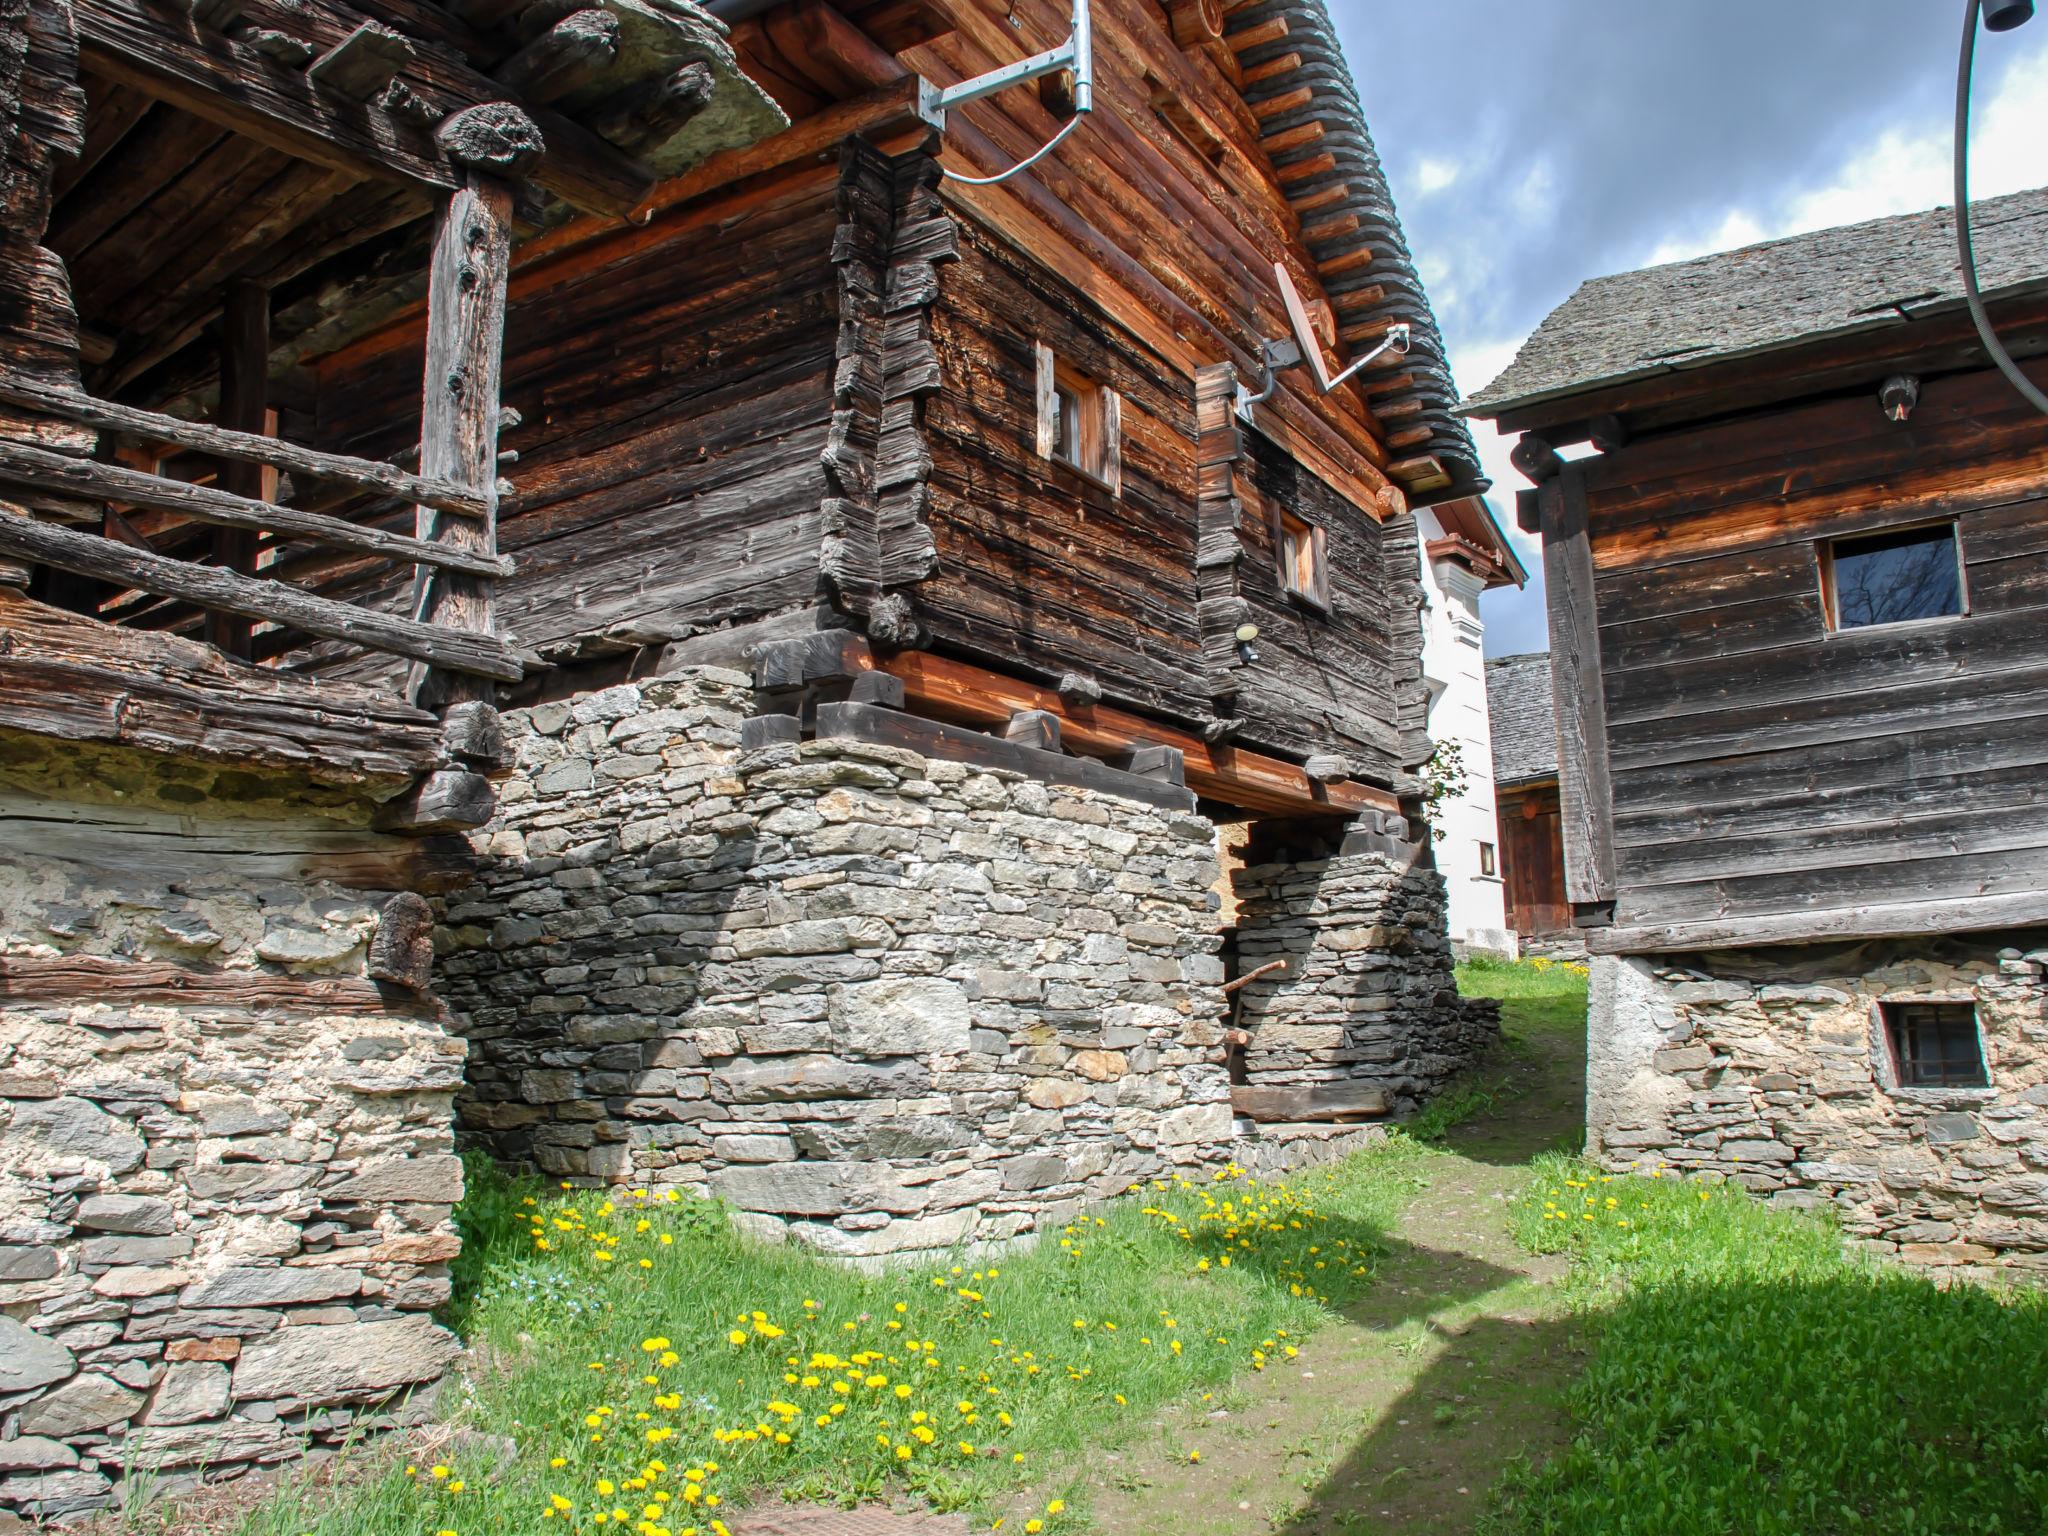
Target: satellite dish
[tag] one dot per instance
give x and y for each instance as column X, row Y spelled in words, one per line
column 1305, row 348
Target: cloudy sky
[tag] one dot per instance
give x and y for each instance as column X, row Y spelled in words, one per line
column 1535, row 143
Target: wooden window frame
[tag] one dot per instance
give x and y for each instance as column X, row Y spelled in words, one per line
column 1830, row 597
column 1301, row 554
column 1097, row 415
column 1489, row 861
column 1893, row 1020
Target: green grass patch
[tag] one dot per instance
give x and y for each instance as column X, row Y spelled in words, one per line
column 1750, row 1376
column 634, row 1354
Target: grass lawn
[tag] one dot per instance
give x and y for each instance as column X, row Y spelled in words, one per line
column 637, row 1364
column 1747, row 1375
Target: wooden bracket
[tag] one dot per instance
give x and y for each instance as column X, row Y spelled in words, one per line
column 402, row 952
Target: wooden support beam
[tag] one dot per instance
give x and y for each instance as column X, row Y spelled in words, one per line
column 1310, row 1101
column 961, row 691
column 1585, row 787
column 1286, row 101
column 567, row 56
column 1297, row 137
column 94, row 480
column 1305, row 170
column 1284, row 64
column 1270, row 30
column 244, row 383
column 471, row 264
column 228, row 81
column 149, row 426
column 88, row 978
column 88, row 554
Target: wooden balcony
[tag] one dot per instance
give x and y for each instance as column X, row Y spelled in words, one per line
column 64, row 485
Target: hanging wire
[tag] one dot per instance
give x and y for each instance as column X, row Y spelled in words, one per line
column 1964, row 245
column 1022, row 165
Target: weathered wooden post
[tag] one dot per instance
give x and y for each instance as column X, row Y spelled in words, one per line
column 459, row 442
column 465, row 345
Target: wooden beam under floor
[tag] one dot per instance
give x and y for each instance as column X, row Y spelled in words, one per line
column 970, row 695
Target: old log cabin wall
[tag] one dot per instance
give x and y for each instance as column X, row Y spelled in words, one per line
column 1808, row 842
column 807, row 398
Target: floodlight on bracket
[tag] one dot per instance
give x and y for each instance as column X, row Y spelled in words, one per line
column 1077, row 54
column 1303, row 347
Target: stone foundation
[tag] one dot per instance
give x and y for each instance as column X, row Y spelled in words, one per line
column 1369, row 996
column 1770, row 1067
column 226, row 1160
column 878, row 1002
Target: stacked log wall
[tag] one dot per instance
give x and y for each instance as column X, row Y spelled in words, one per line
column 673, row 413
column 1767, row 769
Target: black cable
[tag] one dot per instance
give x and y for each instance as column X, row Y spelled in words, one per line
column 1972, row 11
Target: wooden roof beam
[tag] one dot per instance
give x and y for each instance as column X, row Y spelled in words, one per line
column 227, row 81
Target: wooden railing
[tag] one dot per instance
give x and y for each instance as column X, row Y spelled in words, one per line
column 218, row 589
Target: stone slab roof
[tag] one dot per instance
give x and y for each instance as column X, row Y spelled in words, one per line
column 1520, row 718
column 1311, row 39
column 1762, row 297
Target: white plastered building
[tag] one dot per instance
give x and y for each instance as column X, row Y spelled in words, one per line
column 1464, row 553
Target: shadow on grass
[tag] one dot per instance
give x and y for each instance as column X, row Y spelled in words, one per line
column 1862, row 1403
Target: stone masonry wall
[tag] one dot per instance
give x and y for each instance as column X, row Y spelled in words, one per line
column 877, row 1002
column 1770, row 1067
column 1369, row 995
column 225, row 1157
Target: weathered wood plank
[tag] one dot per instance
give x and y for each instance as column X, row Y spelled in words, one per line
column 96, row 480
column 199, row 437
column 92, row 978
column 89, row 555
column 75, row 679
column 1309, row 1102
column 1586, row 791
column 459, row 413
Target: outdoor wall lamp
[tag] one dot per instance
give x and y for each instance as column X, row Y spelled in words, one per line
column 1899, row 394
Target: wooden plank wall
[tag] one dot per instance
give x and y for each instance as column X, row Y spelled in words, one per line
column 1532, row 859
column 1036, row 565
column 1327, row 681
column 674, row 409
column 1765, row 769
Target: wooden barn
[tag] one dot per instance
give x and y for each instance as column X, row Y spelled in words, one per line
column 630, row 581
column 1796, row 604
column 1526, row 809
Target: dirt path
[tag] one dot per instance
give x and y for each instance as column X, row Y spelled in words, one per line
column 1402, row 1415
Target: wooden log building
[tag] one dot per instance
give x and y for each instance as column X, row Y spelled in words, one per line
column 1796, row 603
column 369, row 368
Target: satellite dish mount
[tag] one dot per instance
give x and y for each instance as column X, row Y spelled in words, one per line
column 1303, row 347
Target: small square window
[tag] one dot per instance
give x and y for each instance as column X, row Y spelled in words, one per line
column 1934, row 1045
column 1895, row 577
column 1080, row 423
column 1302, row 551
column 1486, row 861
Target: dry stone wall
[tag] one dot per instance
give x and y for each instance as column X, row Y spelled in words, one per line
column 226, row 1158
column 1370, row 995
column 877, row 1002
column 1770, row 1067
